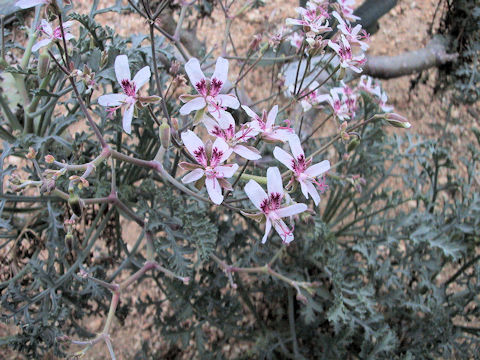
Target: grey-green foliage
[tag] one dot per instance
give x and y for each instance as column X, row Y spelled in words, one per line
column 396, row 265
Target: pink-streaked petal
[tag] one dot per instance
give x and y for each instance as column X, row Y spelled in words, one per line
column 210, row 124
column 194, row 72
column 222, row 147
column 247, row 153
column 40, row 44
column 195, row 104
column 111, row 100
column 318, row 169
column 274, row 181
column 221, row 70
column 214, row 190
column 142, row 77
column 227, row 171
column 191, row 141
column 285, row 233
column 255, row 193
column 224, row 118
column 46, row 27
column 229, row 101
column 122, row 69
column 127, row 119
column 296, row 146
column 272, row 115
column 249, row 112
column 313, row 192
column 284, row 157
column 268, row 228
column 25, row 4
column 193, row 176
column 291, row 210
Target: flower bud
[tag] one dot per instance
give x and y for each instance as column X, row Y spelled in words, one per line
column 341, row 74
column 164, row 135
column 104, row 58
column 49, row 159
column 75, row 204
column 174, row 122
column 31, row 153
column 186, row 280
column 353, row 144
column 302, row 298
column 397, row 121
column 43, row 66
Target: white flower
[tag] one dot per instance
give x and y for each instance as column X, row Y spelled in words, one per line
column 235, row 140
column 314, row 18
column 345, row 53
column 130, row 89
column 303, row 170
column 209, row 97
column 354, row 36
column 270, row 205
column 52, row 34
column 265, row 125
column 209, row 165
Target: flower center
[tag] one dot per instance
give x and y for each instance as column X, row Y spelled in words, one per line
column 129, row 88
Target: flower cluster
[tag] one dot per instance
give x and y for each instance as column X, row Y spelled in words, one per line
column 211, row 169
column 349, row 43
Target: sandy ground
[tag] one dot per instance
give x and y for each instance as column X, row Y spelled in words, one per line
column 403, row 29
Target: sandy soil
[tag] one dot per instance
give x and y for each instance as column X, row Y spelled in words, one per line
column 403, row 29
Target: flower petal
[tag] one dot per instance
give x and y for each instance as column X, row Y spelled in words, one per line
column 193, row 176
column 224, row 118
column 110, row 100
column 282, row 229
column 318, row 169
column 274, row 181
column 313, row 192
column 195, row 104
column 25, row 4
column 296, row 146
column 214, row 190
column 142, row 77
column 245, row 152
column 291, row 210
column 227, row 171
column 249, row 112
column 127, row 119
column 122, row 69
column 255, row 193
column 194, row 72
column 191, row 141
column 221, row 70
column 40, row 44
column 284, row 157
column 229, row 101
column 268, row 227
column 46, row 27
column 272, row 115
column 223, row 148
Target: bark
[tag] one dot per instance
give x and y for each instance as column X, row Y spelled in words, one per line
column 432, row 55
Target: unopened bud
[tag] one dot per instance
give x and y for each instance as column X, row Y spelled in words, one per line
column 353, row 144
column 345, row 136
column 302, row 298
column 397, row 121
column 341, row 74
column 164, row 135
column 186, row 280
column 75, row 204
column 174, row 67
column 31, row 153
column 49, row 159
column 174, row 123
column 43, row 66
